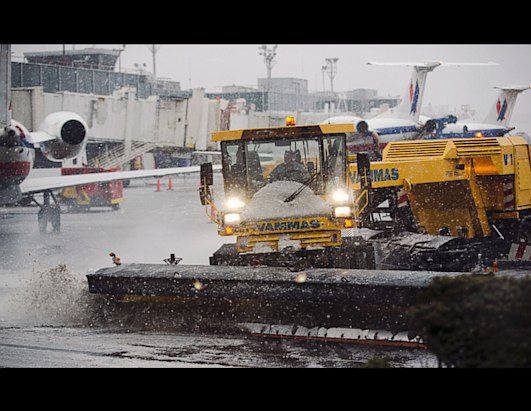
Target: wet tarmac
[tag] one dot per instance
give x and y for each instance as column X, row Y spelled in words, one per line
column 46, row 312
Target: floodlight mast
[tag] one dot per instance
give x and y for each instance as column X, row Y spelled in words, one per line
column 154, row 48
column 331, row 69
column 269, row 57
column 269, row 60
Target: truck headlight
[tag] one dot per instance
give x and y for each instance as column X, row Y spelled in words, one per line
column 231, row 218
column 340, row 197
column 342, row 212
column 234, row 203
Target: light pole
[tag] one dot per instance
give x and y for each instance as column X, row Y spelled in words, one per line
column 269, row 60
column 331, row 67
column 154, row 48
column 120, row 57
column 269, row 57
column 323, row 71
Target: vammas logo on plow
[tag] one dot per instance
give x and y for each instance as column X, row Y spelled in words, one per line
column 377, row 175
column 288, row 225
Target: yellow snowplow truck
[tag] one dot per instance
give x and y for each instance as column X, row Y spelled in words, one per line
column 290, row 212
column 307, row 249
column 460, row 203
column 467, row 201
column 462, row 185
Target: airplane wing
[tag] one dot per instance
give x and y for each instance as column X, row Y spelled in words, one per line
column 428, row 64
column 38, row 137
column 405, row 64
column 513, row 88
column 37, row 185
column 490, row 63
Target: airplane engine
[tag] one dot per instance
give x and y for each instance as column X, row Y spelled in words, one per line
column 69, row 132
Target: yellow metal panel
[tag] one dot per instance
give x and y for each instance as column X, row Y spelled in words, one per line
column 476, row 147
column 509, row 215
column 517, row 140
column 310, row 231
column 307, row 239
column 414, row 150
column 443, row 205
column 432, row 219
column 450, row 204
column 227, row 135
column 291, row 225
column 282, row 131
column 492, row 190
column 393, row 174
column 337, row 128
column 455, row 148
column 479, row 212
column 485, row 166
column 425, row 162
column 506, row 161
column 524, row 175
column 523, row 194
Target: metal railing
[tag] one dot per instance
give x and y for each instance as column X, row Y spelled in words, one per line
column 118, row 157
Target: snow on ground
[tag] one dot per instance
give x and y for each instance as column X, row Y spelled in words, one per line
column 44, row 301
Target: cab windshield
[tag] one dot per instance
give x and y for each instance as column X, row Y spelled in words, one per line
column 319, row 162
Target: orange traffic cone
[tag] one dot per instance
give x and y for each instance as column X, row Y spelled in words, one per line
column 158, row 185
column 170, row 186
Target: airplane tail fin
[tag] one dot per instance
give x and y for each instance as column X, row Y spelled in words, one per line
column 410, row 106
column 5, row 86
column 502, row 109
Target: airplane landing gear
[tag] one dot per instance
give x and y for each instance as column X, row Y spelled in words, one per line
column 49, row 214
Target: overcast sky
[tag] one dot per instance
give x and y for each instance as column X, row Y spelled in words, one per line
column 216, row 65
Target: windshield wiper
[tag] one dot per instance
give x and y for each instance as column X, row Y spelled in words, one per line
column 299, row 190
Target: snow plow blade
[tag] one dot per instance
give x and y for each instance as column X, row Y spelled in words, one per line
column 376, row 299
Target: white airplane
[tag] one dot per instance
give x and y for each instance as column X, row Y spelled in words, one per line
column 496, row 124
column 402, row 122
column 62, row 135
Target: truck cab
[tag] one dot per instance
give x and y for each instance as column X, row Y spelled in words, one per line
column 286, row 188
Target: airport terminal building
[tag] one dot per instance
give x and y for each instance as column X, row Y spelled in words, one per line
column 132, row 113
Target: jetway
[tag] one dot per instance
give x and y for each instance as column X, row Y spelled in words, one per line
column 124, row 118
